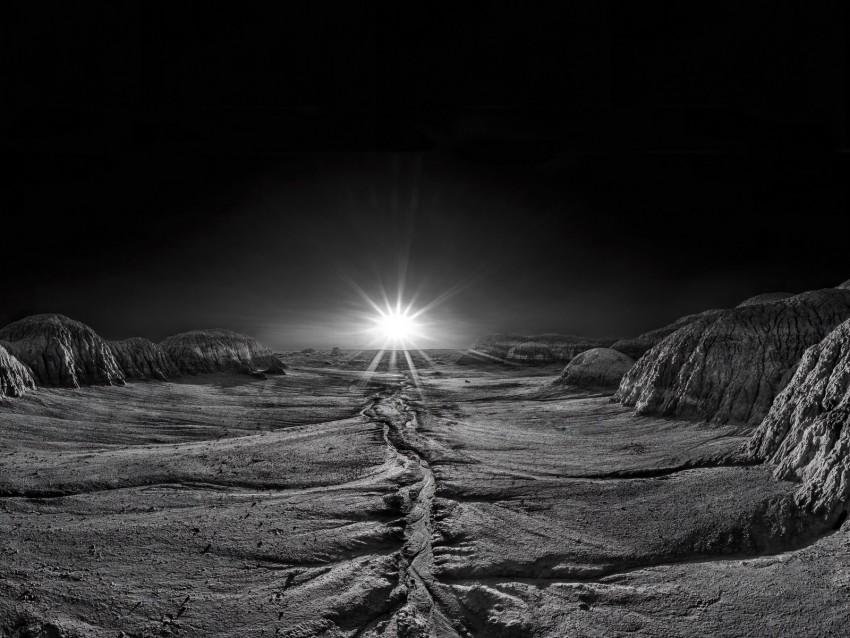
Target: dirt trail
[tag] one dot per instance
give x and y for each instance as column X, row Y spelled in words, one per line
column 426, row 607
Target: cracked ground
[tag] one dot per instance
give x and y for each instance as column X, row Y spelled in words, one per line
column 477, row 503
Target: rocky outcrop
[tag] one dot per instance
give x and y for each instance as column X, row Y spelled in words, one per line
column 201, row 351
column 515, row 348
column 531, row 353
column 637, row 347
column 597, row 368
column 15, row 377
column 806, row 434
column 765, row 297
column 845, row 285
column 727, row 367
column 143, row 359
column 62, row 352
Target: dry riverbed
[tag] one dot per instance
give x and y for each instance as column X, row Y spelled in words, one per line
column 459, row 502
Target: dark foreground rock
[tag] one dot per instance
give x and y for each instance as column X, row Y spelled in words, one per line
column 201, row 351
column 806, row 434
column 637, row 347
column 512, row 348
column 727, row 367
column 766, row 297
column 601, row 368
column 141, row 358
column 15, row 377
column 62, row 352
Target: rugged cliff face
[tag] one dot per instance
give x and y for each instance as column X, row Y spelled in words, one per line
column 202, row 351
column 517, row 348
column 727, row 367
column 637, row 347
column 62, row 352
column 766, row 297
column 143, row 359
column 15, row 377
column 806, row 434
column 601, row 368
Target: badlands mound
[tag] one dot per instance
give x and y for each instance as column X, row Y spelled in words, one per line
column 201, row 351
column 15, row 377
column 845, row 285
column 596, row 368
column 62, row 352
column 728, row 366
column 517, row 348
column 806, row 434
column 637, row 347
column 141, row 358
column 765, row 297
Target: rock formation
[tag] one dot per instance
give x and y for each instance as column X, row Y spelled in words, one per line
column 765, row 297
column 728, row 366
column 141, row 358
column 530, row 353
column 637, row 347
column 845, row 285
column 806, row 434
column 201, row 351
column 15, row 377
column 62, row 352
column 596, row 368
column 503, row 348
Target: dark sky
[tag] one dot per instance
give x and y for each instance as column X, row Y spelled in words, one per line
column 598, row 170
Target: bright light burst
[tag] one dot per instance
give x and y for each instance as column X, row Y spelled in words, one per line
column 396, row 327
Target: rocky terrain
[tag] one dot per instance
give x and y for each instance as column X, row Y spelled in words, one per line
column 202, row 351
column 728, row 366
column 15, row 377
column 601, row 368
column 141, row 358
column 766, row 297
column 806, row 434
column 638, row 346
column 61, row 352
column 519, row 349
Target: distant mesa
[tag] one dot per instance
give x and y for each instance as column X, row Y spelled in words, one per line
column 15, row 377
column 806, row 434
column 308, row 351
column 202, row 351
column 766, row 297
column 728, row 366
column 141, row 358
column 597, row 368
column 513, row 348
column 61, row 352
column 637, row 347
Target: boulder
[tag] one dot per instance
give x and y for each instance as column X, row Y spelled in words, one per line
column 15, row 377
column 141, row 358
column 765, row 297
column 727, row 367
column 597, row 368
column 806, row 434
column 201, row 351
column 62, row 352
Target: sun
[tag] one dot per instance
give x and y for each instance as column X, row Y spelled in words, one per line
column 395, row 326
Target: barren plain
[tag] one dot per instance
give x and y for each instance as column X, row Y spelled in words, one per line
column 459, row 501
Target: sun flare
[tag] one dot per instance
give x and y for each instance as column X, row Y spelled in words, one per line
column 395, row 326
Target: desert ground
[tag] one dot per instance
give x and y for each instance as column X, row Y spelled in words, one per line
column 456, row 501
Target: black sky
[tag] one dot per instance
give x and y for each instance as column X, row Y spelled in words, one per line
column 590, row 168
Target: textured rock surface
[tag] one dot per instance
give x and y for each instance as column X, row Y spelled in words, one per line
column 15, row 377
column 514, row 348
column 845, row 285
column 727, row 367
column 806, row 434
column 596, row 368
column 531, row 353
column 202, row 351
column 641, row 344
column 766, row 297
column 141, row 358
column 62, row 352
